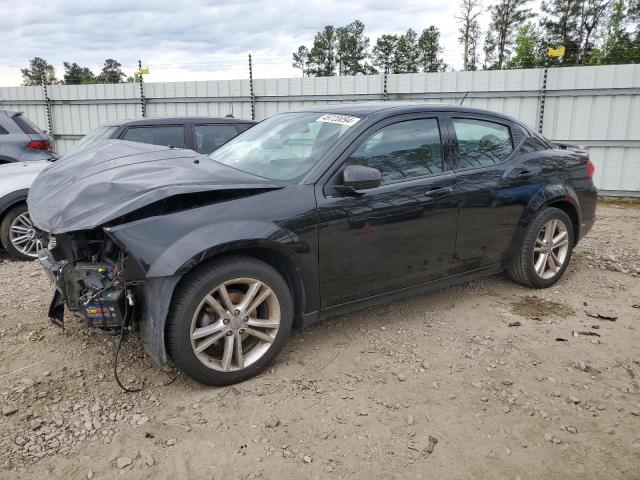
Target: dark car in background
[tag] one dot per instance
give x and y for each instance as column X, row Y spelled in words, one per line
column 21, row 140
column 304, row 216
column 201, row 134
column 17, row 235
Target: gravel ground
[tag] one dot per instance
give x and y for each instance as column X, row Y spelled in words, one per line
column 437, row 386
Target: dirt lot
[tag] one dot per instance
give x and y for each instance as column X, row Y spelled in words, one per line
column 437, row 386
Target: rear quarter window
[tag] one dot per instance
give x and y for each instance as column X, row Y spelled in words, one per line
column 481, row 143
column 3, row 131
column 26, row 125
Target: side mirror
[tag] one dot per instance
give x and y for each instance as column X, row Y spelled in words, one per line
column 359, row 177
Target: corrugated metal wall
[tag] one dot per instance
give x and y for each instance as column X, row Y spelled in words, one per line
column 595, row 106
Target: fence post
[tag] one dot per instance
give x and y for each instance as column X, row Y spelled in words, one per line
column 47, row 104
column 253, row 98
column 386, row 74
column 543, row 89
column 143, row 106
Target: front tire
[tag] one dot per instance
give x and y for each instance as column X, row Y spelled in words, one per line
column 545, row 251
column 229, row 319
column 17, row 234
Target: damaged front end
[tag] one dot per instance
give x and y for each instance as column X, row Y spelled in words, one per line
column 87, row 269
column 88, row 209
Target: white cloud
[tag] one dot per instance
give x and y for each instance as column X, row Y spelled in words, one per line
column 198, row 39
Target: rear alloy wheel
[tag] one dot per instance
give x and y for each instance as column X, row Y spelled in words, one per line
column 19, row 237
column 229, row 320
column 545, row 251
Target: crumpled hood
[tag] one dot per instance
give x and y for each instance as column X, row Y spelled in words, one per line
column 112, row 178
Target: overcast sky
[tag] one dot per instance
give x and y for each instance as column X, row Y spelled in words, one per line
column 198, row 39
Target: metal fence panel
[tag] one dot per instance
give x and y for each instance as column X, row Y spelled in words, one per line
column 596, row 106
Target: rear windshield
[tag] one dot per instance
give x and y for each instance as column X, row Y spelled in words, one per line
column 94, row 136
column 26, row 125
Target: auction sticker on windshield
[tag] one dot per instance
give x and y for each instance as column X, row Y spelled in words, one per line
column 346, row 120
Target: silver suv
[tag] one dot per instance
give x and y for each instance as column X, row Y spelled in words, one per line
column 21, row 140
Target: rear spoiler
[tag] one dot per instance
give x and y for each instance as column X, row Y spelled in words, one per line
column 569, row 146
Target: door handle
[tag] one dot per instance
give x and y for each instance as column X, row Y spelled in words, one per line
column 524, row 175
column 439, row 192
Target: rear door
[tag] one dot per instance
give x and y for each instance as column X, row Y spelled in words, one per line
column 399, row 234
column 494, row 183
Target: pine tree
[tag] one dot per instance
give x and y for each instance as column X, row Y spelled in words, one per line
column 111, row 72
column 430, row 50
column 39, row 72
column 301, row 59
column 351, row 49
column 384, row 53
column 619, row 46
column 561, row 23
column 407, row 53
column 592, row 15
column 469, row 32
column 74, row 74
column 506, row 17
column 322, row 56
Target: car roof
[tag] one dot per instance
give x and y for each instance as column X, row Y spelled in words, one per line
column 396, row 108
column 10, row 113
column 174, row 121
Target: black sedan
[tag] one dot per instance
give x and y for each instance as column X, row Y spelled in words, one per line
column 304, row 216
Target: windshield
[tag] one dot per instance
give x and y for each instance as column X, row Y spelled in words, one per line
column 94, row 136
column 284, row 147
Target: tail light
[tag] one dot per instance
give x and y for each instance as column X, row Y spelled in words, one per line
column 39, row 144
column 591, row 168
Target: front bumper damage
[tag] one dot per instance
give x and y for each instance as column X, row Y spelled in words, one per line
column 102, row 304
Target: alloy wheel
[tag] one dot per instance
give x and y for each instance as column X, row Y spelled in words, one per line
column 551, row 249
column 23, row 236
column 235, row 324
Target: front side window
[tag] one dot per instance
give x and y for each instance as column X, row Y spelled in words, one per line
column 166, row 136
column 481, row 143
column 286, row 146
column 403, row 150
column 211, row 137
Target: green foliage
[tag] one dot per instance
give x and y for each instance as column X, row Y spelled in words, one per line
column 619, row 45
column 506, row 17
column 469, row 32
column 39, row 72
column 111, row 72
column 301, row 59
column 528, row 51
column 407, row 53
column 384, row 53
column 430, row 50
column 352, row 49
column 322, row 56
column 562, row 21
column 74, row 74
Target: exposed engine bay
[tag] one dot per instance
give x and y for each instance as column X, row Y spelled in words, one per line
column 87, row 268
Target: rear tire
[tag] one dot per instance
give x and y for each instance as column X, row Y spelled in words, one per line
column 6, row 234
column 545, row 251
column 209, row 313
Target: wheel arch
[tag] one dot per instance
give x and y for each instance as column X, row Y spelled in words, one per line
column 272, row 255
column 558, row 196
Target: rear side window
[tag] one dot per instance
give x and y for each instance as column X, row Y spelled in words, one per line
column 481, row 143
column 26, row 125
column 3, row 131
column 166, row 136
column 403, row 150
column 208, row 138
column 241, row 127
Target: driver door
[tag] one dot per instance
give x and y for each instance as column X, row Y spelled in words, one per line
column 399, row 234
